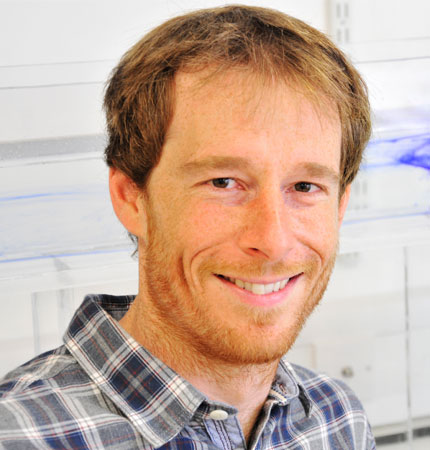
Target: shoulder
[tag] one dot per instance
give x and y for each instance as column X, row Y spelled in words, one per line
column 37, row 386
column 336, row 408
column 33, row 373
column 51, row 400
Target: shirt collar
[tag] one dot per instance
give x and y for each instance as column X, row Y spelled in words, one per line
column 288, row 386
column 156, row 400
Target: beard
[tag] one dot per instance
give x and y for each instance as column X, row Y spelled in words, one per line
column 191, row 323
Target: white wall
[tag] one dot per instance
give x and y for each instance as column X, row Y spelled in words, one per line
column 57, row 54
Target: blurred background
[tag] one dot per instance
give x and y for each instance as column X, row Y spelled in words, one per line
column 59, row 239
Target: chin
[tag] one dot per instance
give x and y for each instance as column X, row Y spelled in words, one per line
column 248, row 345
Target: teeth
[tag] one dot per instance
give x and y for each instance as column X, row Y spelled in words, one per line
column 268, row 288
column 239, row 283
column 258, row 288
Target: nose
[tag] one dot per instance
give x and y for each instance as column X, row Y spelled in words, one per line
column 267, row 227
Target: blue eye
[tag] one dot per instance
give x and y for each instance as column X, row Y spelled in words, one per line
column 222, row 183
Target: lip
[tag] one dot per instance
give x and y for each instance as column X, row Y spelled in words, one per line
column 265, row 300
column 258, row 280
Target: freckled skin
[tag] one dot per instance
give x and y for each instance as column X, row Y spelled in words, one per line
column 275, row 215
column 260, row 227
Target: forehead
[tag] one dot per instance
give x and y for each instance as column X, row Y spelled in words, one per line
column 245, row 89
column 222, row 112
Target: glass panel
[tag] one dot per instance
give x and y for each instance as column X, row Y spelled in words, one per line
column 16, row 329
column 418, row 260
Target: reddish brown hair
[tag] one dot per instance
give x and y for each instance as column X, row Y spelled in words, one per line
column 140, row 96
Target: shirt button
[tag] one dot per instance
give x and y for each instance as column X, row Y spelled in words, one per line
column 218, row 414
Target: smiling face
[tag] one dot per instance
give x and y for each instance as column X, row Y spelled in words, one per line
column 242, row 217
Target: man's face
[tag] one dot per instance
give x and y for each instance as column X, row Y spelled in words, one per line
column 243, row 215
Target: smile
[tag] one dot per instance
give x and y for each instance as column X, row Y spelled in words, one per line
column 258, row 288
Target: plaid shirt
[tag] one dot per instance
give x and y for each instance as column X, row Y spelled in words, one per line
column 103, row 390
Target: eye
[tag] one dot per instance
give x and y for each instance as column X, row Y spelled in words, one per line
column 303, row 186
column 223, row 183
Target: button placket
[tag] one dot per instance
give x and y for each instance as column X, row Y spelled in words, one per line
column 224, row 428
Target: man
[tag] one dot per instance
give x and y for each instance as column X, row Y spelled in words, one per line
column 234, row 136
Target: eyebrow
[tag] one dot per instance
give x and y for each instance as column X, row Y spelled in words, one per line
column 311, row 169
column 216, row 162
column 319, row 170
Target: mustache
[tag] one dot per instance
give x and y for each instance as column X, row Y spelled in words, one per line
column 256, row 269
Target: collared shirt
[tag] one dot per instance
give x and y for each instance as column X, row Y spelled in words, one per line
column 102, row 390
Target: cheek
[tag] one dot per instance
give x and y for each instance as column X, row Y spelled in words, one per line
column 209, row 222
column 201, row 235
column 318, row 228
column 192, row 233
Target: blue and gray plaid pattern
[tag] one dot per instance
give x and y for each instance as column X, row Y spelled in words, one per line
column 102, row 390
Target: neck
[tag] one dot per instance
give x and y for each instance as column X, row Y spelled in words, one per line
column 245, row 387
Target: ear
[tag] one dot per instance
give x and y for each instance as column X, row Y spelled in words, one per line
column 343, row 203
column 128, row 202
